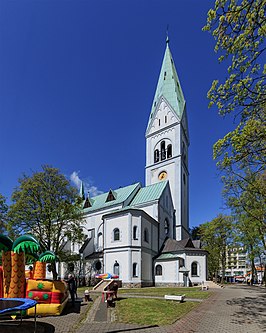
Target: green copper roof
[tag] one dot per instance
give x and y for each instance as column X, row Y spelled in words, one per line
column 168, row 86
column 121, row 195
column 168, row 256
column 149, row 193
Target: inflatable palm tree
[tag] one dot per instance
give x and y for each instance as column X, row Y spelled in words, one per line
column 13, row 258
column 23, row 245
column 40, row 265
column 6, row 246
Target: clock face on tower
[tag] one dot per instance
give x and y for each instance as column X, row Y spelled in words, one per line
column 162, row 175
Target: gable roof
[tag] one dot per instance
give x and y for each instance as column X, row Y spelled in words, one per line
column 172, row 245
column 121, row 195
column 149, row 193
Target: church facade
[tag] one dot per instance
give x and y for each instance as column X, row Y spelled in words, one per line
column 141, row 233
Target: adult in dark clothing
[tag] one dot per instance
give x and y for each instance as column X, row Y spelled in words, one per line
column 72, row 287
column 115, row 288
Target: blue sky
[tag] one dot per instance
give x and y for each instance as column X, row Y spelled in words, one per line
column 77, row 80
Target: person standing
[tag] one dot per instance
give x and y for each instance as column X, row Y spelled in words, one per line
column 72, row 288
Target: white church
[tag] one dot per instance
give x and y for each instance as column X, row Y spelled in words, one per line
column 142, row 233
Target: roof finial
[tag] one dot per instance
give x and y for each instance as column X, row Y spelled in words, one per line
column 167, row 37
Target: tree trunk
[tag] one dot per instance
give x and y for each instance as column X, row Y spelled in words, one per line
column 55, row 275
column 253, row 270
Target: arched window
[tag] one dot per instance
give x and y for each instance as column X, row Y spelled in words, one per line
column 166, row 226
column 100, row 241
column 194, row 269
column 116, row 234
column 163, row 152
column 116, row 268
column 98, row 266
column 135, row 229
column 169, row 151
column 156, row 155
column 158, row 270
column 135, row 267
column 146, row 235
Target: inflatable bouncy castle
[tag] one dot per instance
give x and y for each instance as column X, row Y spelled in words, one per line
column 52, row 296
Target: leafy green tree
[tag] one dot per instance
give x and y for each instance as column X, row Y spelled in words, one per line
column 195, row 233
column 247, row 197
column 3, row 214
column 248, row 205
column 239, row 28
column 247, row 236
column 46, row 205
column 216, row 237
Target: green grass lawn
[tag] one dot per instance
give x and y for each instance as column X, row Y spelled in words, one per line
column 191, row 292
column 150, row 311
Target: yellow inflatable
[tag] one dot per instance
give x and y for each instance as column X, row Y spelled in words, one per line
column 51, row 296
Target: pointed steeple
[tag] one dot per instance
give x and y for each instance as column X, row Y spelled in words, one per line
column 168, row 85
column 81, row 191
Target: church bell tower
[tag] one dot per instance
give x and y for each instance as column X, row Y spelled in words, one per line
column 167, row 142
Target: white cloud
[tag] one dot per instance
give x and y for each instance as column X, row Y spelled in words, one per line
column 74, row 177
column 88, row 187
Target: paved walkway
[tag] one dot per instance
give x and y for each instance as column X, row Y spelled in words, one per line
column 232, row 309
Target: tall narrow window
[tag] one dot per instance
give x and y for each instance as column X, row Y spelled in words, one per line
column 163, row 152
column 135, row 272
column 165, row 119
column 135, row 229
column 116, row 234
column 169, row 151
column 194, row 269
column 100, row 241
column 146, row 235
column 158, row 270
column 166, row 226
column 156, row 155
column 116, row 268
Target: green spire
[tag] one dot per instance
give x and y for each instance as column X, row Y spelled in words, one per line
column 168, row 85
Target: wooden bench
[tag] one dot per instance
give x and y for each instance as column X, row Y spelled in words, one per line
column 179, row 298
